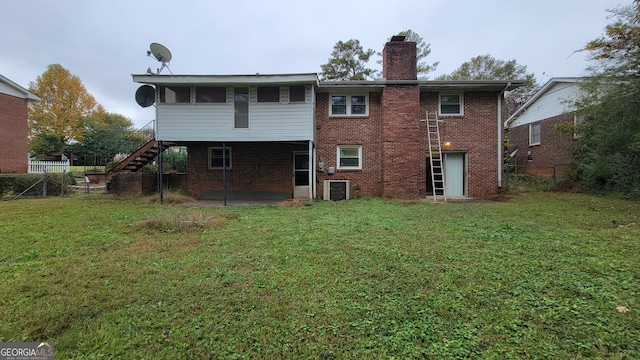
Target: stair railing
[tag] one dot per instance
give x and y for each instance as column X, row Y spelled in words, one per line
column 133, row 143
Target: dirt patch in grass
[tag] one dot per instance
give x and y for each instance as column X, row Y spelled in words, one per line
column 186, row 222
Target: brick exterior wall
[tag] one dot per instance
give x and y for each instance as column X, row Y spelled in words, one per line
column 364, row 131
column 13, row 134
column 255, row 168
column 403, row 165
column 554, row 148
column 474, row 133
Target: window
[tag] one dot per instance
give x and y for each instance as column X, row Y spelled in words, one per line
column 297, row 93
column 216, row 159
column 268, row 93
column 241, row 107
column 354, row 105
column 175, row 94
column 534, row 134
column 211, row 94
column 451, row 104
column 349, row 157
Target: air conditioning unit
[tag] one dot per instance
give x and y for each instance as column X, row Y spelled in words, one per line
column 336, row 190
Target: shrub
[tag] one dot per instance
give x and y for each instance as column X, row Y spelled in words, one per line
column 15, row 184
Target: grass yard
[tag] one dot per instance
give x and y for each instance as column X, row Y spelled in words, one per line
column 543, row 275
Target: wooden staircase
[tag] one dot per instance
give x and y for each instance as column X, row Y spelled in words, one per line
column 139, row 158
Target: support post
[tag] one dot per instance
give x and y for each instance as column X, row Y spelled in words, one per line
column 224, row 173
column 160, row 170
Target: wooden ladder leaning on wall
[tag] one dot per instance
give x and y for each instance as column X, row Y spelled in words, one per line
column 435, row 156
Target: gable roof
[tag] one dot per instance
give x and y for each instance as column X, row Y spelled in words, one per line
column 543, row 90
column 18, row 90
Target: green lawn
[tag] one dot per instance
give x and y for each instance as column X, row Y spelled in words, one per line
column 539, row 276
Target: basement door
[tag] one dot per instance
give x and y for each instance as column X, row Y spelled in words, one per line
column 300, row 175
column 454, row 174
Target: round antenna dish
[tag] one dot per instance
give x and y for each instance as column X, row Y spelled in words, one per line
column 146, row 95
column 160, row 52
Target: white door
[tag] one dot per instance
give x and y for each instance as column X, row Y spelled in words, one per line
column 454, row 174
column 300, row 175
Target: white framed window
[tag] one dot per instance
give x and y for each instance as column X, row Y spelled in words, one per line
column 217, row 157
column 241, row 108
column 534, row 133
column 211, row 94
column 175, row 94
column 297, row 93
column 268, row 94
column 349, row 157
column 349, row 105
column 451, row 104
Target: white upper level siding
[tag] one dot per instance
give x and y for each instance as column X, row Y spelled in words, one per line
column 268, row 121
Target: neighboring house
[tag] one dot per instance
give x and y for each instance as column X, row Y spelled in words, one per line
column 293, row 136
column 532, row 128
column 14, row 129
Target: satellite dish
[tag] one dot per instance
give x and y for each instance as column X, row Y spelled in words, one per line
column 160, row 52
column 146, row 95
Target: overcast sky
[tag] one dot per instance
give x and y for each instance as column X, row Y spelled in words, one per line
column 104, row 42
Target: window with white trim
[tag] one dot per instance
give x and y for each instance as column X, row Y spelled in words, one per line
column 268, row 94
column 349, row 105
column 217, row 157
column 450, row 104
column 534, row 133
column 211, row 94
column 175, row 94
column 349, row 157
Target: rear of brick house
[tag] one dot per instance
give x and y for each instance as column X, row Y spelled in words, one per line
column 292, row 136
column 14, row 103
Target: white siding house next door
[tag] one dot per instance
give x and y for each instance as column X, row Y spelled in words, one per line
column 454, row 174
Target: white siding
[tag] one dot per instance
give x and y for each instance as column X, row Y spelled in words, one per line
column 267, row 122
column 556, row 101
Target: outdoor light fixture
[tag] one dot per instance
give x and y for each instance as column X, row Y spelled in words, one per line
column 447, row 144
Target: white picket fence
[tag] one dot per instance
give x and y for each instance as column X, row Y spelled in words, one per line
column 40, row 167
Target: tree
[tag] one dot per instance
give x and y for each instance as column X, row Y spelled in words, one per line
column 105, row 137
column 423, row 50
column 486, row 67
column 607, row 149
column 348, row 62
column 65, row 102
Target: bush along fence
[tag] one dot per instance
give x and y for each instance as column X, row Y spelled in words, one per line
column 13, row 186
column 541, row 177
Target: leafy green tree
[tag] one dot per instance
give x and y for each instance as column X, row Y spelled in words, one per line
column 105, row 136
column 608, row 146
column 486, row 67
column 348, row 61
column 423, row 50
column 47, row 147
column 65, row 102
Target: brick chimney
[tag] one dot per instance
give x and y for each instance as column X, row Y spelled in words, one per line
column 403, row 159
column 399, row 59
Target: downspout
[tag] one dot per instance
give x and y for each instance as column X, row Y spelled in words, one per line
column 500, row 131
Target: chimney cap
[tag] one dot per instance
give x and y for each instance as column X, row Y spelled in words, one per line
column 398, row 38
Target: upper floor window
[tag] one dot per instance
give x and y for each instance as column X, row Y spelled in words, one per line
column 297, row 93
column 350, row 157
column 205, row 94
column 241, row 108
column 268, row 93
column 349, row 105
column 534, row 134
column 175, row 94
column 451, row 104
